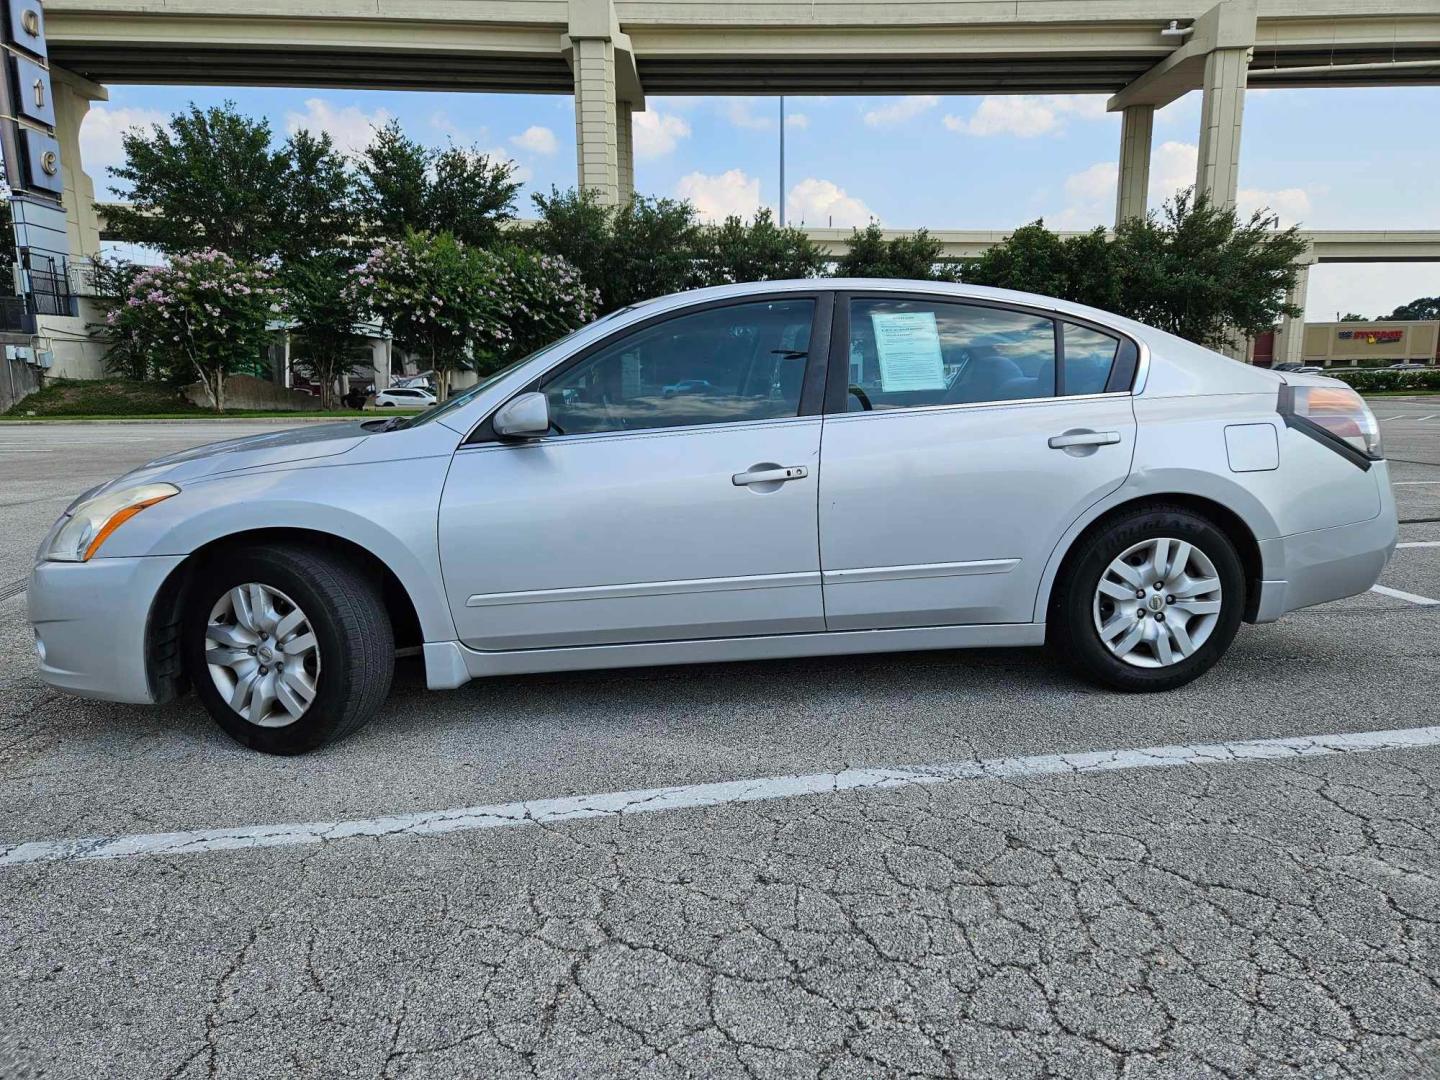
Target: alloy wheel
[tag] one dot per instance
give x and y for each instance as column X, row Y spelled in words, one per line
column 262, row 655
column 1157, row 602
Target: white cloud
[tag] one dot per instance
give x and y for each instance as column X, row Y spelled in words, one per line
column 1027, row 116
column 901, row 110
column 1089, row 197
column 799, row 121
column 822, row 202
column 655, row 133
column 1290, row 205
column 101, row 133
column 741, row 113
column 717, row 197
column 350, row 127
column 1172, row 169
column 536, row 139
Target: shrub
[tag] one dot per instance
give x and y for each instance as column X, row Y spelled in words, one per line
column 204, row 316
column 1371, row 381
column 759, row 250
column 916, row 256
column 543, row 299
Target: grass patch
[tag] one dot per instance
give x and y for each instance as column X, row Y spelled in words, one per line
column 126, row 399
column 104, row 398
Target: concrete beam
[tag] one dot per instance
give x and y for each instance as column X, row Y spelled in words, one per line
column 1230, row 24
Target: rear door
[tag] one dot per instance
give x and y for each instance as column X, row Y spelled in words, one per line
column 961, row 441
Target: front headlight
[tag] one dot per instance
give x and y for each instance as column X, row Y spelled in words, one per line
column 93, row 520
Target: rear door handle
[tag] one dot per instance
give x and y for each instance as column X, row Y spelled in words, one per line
column 777, row 475
column 1084, row 438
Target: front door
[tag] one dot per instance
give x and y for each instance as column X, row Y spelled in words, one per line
column 675, row 499
column 972, row 438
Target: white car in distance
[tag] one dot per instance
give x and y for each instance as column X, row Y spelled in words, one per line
column 404, row 397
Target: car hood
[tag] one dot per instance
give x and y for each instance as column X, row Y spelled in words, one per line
column 251, row 452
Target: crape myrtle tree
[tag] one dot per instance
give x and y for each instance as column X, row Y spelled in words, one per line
column 203, row 316
column 466, row 308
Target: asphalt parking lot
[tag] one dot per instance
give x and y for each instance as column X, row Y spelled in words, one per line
column 1247, row 901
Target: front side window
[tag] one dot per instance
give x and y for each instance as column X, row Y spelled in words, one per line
column 912, row 353
column 720, row 365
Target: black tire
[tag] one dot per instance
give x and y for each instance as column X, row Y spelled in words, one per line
column 356, row 644
column 1072, row 618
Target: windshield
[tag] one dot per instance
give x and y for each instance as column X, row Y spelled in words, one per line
column 470, row 394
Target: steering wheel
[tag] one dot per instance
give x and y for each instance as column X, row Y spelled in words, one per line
column 864, row 398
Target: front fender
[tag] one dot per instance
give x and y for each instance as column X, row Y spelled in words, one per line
column 389, row 508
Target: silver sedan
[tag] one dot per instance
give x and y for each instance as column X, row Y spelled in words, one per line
column 871, row 466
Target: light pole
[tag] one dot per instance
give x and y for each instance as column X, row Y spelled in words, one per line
column 782, row 161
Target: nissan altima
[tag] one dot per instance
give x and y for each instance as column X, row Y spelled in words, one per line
column 874, row 466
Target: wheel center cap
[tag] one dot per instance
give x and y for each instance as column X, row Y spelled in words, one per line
column 1156, row 602
column 265, row 654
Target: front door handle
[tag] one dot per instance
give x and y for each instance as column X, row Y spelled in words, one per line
column 1084, row 438
column 770, row 474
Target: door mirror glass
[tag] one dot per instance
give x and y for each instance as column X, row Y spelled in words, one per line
column 523, row 417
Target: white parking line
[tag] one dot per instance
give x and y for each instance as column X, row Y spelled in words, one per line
column 694, row 796
column 1411, row 483
column 1398, row 594
column 1419, row 543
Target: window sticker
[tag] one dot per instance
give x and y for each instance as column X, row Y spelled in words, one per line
column 907, row 344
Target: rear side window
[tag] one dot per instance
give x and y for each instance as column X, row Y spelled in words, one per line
column 914, row 353
column 1089, row 359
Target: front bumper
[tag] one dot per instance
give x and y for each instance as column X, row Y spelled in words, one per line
column 1316, row 567
column 90, row 624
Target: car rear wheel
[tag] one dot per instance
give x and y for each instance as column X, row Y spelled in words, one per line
column 1150, row 601
column 288, row 647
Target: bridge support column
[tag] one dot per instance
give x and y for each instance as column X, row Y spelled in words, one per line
column 607, row 85
column 625, row 149
column 1290, row 349
column 1137, row 128
column 75, row 354
column 1222, row 109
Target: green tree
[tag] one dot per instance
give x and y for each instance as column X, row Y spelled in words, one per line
column 644, row 248
column 435, row 297
column 1203, row 273
column 1034, row 259
column 405, row 187
column 911, row 255
column 1425, row 307
column 325, row 313
column 204, row 316
column 1352, row 317
column 211, row 180
column 758, row 251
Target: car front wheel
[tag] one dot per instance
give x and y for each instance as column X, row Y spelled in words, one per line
column 1150, row 601
column 288, row 647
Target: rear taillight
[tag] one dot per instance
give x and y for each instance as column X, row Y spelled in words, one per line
column 1336, row 416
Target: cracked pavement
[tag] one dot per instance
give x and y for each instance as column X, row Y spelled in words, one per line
column 1250, row 918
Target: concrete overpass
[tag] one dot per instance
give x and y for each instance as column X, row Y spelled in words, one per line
column 610, row 53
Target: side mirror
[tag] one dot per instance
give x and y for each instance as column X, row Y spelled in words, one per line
column 523, row 417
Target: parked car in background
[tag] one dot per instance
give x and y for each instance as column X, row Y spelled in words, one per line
column 687, row 386
column 996, row 469
column 1299, row 369
column 407, row 397
column 1407, row 365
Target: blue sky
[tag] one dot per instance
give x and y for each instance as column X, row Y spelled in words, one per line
column 1328, row 159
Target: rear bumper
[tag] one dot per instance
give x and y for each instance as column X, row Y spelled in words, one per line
column 90, row 624
column 1310, row 568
